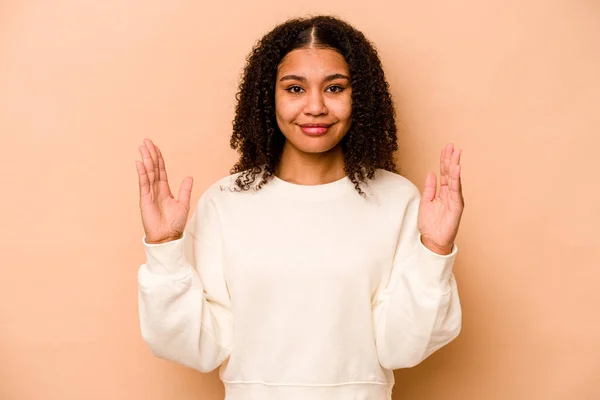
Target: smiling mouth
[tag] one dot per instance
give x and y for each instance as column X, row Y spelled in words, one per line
column 315, row 129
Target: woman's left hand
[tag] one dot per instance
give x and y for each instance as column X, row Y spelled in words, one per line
column 439, row 217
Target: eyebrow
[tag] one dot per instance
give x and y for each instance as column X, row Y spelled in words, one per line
column 303, row 79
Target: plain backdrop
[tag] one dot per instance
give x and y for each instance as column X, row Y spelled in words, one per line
column 514, row 83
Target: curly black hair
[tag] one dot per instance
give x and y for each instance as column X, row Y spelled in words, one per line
column 370, row 142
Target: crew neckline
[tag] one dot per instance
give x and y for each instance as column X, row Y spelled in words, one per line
column 316, row 192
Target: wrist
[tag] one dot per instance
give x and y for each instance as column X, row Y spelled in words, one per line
column 441, row 250
column 161, row 241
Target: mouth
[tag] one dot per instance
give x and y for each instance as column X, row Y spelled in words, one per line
column 315, row 129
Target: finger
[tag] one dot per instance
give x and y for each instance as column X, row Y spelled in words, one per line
column 429, row 188
column 148, row 164
column 154, row 154
column 456, row 165
column 162, row 171
column 142, row 178
column 185, row 192
column 445, row 174
column 456, row 157
column 442, row 176
column 456, row 185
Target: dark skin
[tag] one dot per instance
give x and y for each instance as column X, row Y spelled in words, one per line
column 313, row 88
column 440, row 214
column 370, row 141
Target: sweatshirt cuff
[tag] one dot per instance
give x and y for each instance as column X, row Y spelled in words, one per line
column 166, row 258
column 435, row 269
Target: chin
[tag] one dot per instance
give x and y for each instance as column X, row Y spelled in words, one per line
column 314, row 146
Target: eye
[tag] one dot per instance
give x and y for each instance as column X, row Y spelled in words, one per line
column 335, row 88
column 294, row 89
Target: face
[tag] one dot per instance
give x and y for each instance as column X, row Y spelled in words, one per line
column 313, row 99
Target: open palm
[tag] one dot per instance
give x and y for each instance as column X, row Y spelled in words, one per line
column 163, row 216
column 439, row 216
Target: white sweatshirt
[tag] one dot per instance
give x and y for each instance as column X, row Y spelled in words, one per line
column 300, row 292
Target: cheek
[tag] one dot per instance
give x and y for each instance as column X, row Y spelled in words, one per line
column 342, row 109
column 283, row 109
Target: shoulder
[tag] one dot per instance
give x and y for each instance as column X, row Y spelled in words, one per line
column 226, row 187
column 390, row 185
column 391, row 181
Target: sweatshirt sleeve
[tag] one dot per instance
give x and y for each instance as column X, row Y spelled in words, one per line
column 418, row 311
column 183, row 301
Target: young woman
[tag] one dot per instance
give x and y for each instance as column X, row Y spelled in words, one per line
column 314, row 269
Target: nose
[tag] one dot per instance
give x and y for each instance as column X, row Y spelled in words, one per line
column 315, row 103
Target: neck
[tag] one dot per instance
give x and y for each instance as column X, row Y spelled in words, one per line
column 310, row 168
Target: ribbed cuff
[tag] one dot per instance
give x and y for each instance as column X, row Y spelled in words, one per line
column 436, row 269
column 166, row 258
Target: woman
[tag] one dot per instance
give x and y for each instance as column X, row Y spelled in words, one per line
column 314, row 269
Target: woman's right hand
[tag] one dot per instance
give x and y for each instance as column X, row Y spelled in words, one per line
column 163, row 217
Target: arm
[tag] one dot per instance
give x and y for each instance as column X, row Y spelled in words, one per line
column 418, row 311
column 184, row 304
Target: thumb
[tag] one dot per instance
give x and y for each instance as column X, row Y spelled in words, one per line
column 430, row 186
column 185, row 191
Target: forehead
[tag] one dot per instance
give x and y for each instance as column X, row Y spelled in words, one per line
column 313, row 60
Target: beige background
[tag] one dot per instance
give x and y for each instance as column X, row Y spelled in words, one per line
column 516, row 84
